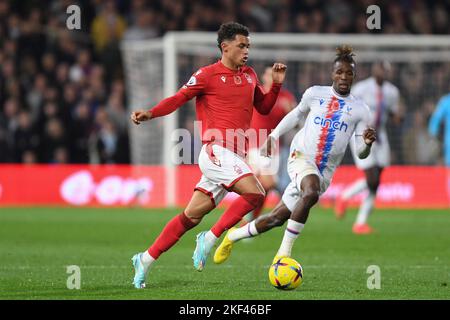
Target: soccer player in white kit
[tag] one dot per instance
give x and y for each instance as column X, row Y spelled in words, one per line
column 335, row 117
column 382, row 97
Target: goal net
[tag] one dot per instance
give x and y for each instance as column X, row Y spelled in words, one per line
column 157, row 68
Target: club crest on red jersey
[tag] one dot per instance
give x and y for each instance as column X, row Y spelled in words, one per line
column 249, row 79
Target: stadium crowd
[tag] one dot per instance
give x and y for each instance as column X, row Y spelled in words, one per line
column 62, row 92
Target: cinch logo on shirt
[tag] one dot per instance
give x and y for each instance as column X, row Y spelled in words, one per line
column 328, row 123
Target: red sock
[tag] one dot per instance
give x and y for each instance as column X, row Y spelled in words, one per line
column 255, row 214
column 171, row 233
column 258, row 210
column 239, row 208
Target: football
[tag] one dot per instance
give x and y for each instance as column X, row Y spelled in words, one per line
column 286, row 274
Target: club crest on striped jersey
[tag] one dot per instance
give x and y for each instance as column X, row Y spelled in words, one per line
column 335, row 105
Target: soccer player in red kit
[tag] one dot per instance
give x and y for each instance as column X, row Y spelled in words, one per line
column 226, row 93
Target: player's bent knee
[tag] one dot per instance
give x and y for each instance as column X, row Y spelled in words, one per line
column 311, row 196
column 194, row 217
column 254, row 199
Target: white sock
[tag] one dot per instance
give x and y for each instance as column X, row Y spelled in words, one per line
column 365, row 209
column 146, row 260
column 354, row 189
column 292, row 232
column 210, row 238
column 247, row 231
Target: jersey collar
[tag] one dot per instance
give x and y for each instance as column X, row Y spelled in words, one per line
column 339, row 95
column 222, row 66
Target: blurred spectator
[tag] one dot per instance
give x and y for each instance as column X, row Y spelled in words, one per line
column 145, row 27
column 60, row 156
column 117, row 113
column 108, row 27
column 82, row 68
column 49, row 67
column 54, row 138
column 107, row 31
column 80, row 131
column 111, row 144
column 35, row 95
column 418, row 147
column 25, row 137
column 29, row 157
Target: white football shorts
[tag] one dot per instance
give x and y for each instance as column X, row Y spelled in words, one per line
column 221, row 169
column 300, row 166
column 264, row 166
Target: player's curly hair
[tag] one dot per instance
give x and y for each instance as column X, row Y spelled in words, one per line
column 344, row 53
column 229, row 30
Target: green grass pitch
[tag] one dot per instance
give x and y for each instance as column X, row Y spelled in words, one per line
column 411, row 247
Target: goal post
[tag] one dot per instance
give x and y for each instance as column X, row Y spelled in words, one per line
column 157, row 68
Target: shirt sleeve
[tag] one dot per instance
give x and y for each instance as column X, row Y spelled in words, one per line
column 293, row 117
column 264, row 102
column 196, row 85
column 305, row 102
column 168, row 105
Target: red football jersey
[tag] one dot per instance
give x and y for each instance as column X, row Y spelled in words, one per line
column 225, row 101
column 270, row 121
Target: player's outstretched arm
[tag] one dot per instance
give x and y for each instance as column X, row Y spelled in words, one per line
column 139, row 116
column 286, row 124
column 264, row 102
column 163, row 108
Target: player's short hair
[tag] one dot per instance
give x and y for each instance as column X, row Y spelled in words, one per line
column 344, row 53
column 229, row 30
